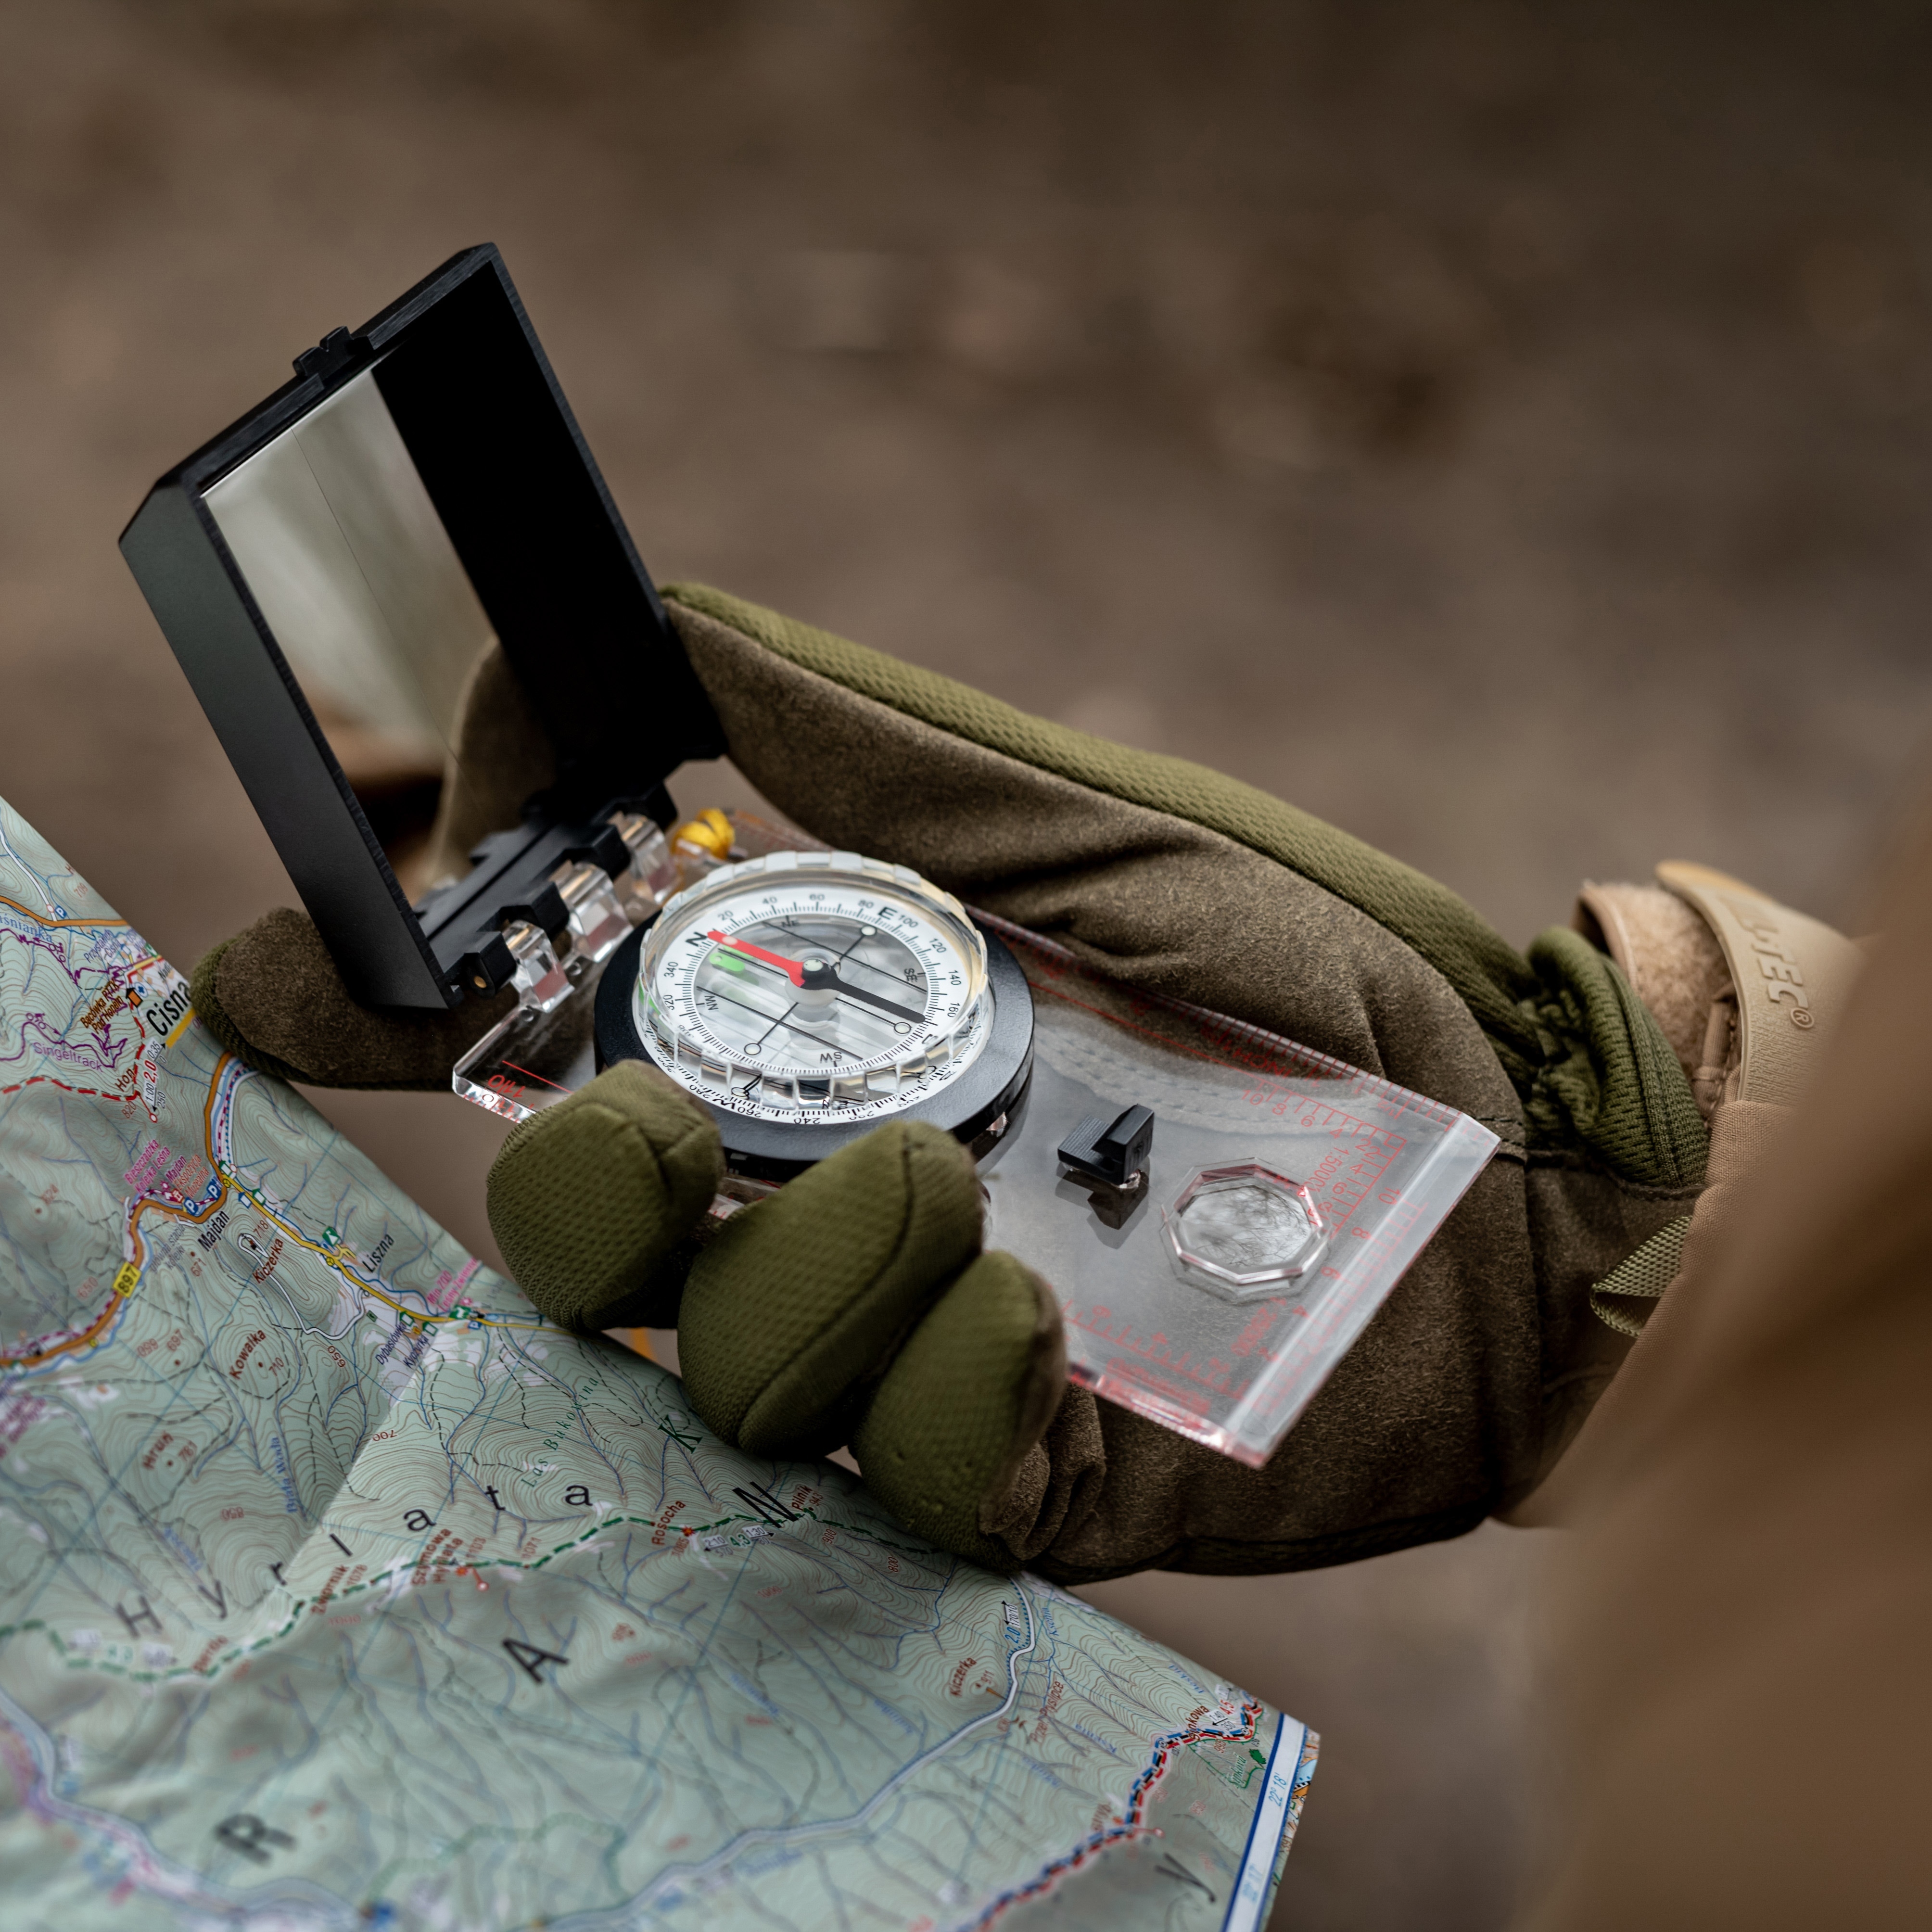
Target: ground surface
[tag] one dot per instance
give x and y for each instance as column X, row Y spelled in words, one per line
column 1500, row 430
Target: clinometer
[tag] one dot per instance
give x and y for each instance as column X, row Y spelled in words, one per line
column 804, row 996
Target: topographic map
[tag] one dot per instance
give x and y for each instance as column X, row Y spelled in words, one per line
column 337, row 1590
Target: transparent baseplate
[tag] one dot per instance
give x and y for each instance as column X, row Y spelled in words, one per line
column 545, row 1051
column 535, row 1058
column 1269, row 1160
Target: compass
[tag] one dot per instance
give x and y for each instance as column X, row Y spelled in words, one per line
column 806, row 997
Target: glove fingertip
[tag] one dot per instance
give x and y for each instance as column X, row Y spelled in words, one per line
column 204, row 993
column 588, row 1199
column 969, row 1397
column 273, row 996
column 682, row 1136
column 800, row 1300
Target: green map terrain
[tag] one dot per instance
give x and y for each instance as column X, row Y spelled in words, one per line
column 337, row 1589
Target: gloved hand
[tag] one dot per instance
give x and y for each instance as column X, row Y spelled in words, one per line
column 855, row 1305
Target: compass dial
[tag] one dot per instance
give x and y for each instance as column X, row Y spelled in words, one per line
column 814, row 988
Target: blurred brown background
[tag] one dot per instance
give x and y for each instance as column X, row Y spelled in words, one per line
column 1502, row 429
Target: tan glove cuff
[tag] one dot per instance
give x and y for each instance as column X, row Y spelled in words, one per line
column 1793, row 976
column 1668, row 953
column 1745, row 990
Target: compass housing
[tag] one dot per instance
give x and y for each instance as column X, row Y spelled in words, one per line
column 979, row 1089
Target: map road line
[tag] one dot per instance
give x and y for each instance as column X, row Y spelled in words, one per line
column 1130, row 1825
column 228, row 1075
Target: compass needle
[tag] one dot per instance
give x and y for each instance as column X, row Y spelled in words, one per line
column 793, row 969
column 898, row 1013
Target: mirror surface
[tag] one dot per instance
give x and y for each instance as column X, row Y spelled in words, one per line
column 350, row 565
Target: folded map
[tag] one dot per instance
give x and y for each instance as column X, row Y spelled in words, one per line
column 338, row 1589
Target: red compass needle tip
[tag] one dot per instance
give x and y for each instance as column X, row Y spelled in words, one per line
column 793, row 969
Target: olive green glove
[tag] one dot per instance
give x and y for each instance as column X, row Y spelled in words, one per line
column 1463, row 1391
column 1467, row 1385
